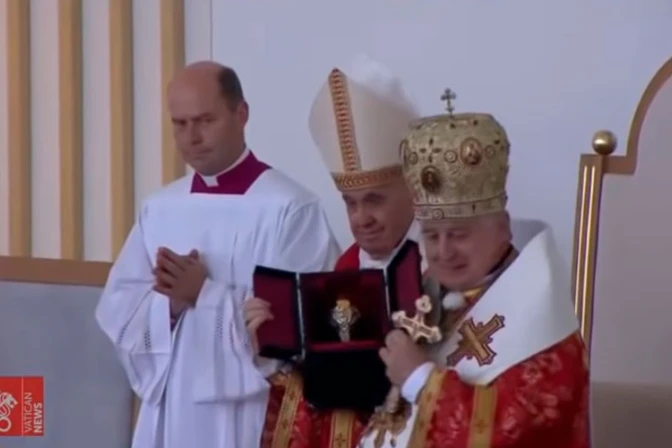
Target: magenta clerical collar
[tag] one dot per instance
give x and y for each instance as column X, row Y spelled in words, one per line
column 236, row 180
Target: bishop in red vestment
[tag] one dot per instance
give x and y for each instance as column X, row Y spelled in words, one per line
column 357, row 120
column 510, row 370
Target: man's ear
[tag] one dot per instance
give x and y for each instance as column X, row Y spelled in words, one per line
column 243, row 113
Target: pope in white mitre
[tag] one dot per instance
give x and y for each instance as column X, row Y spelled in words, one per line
column 510, row 370
column 357, row 118
column 172, row 302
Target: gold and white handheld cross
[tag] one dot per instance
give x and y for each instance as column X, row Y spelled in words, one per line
column 417, row 329
column 343, row 317
column 417, row 326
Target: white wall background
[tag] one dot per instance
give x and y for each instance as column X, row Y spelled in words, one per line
column 96, row 78
column 552, row 72
column 633, row 269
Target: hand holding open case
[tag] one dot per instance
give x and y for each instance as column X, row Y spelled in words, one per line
column 340, row 363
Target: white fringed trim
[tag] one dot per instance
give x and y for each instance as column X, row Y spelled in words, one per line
column 453, row 301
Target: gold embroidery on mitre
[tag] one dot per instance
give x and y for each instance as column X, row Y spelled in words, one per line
column 366, row 179
column 345, row 124
column 457, row 165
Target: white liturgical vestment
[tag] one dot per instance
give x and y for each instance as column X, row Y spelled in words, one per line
column 198, row 383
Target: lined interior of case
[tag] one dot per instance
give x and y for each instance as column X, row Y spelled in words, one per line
column 305, row 318
column 365, row 289
column 279, row 288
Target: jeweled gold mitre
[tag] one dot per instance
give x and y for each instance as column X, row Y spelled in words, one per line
column 456, row 164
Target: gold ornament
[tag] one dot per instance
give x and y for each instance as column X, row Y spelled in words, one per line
column 604, row 142
column 431, row 179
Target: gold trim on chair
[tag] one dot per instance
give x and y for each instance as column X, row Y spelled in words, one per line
column 592, row 169
column 589, row 194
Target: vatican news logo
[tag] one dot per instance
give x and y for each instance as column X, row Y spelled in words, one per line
column 22, row 406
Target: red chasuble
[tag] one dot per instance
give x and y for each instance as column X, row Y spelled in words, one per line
column 542, row 402
column 349, row 259
column 292, row 423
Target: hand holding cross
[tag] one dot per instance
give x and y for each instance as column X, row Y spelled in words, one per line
column 417, row 329
column 391, row 417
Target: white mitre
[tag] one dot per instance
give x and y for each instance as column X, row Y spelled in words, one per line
column 358, row 119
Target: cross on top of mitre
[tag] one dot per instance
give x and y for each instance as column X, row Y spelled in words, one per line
column 448, row 96
column 417, row 326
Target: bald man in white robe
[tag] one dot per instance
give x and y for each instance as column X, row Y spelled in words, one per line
column 171, row 305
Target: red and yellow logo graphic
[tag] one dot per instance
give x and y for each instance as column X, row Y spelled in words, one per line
column 22, row 406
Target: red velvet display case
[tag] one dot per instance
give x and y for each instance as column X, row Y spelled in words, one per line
column 336, row 373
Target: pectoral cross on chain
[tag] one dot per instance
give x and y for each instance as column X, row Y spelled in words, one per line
column 476, row 340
